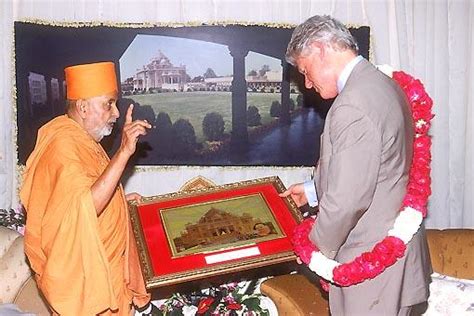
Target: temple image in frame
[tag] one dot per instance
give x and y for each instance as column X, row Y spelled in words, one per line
column 219, row 225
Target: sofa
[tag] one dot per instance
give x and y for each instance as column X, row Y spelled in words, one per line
column 452, row 258
column 17, row 285
column 451, row 250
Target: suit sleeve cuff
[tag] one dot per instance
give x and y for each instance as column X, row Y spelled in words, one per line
column 311, row 195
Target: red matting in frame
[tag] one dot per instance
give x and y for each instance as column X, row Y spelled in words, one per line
column 161, row 268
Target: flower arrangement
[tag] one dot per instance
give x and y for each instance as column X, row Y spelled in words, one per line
column 414, row 206
column 13, row 219
column 228, row 299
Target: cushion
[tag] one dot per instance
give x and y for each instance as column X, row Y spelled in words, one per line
column 450, row 296
column 29, row 299
column 12, row 310
column 14, row 270
column 452, row 252
column 295, row 295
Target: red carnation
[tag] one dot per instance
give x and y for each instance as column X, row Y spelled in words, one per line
column 402, row 78
column 357, row 272
column 419, row 177
column 422, row 169
column 204, row 305
column 422, row 143
column 421, row 113
column 421, row 163
column 324, row 285
column 414, row 90
column 302, row 246
column 425, row 154
column 371, row 264
column 417, row 204
column 234, row 306
column 397, row 244
column 422, row 192
column 387, row 259
column 422, row 128
column 341, row 275
column 425, row 101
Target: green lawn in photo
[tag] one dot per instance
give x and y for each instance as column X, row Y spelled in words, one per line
column 193, row 106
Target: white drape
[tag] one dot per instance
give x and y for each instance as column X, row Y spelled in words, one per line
column 432, row 40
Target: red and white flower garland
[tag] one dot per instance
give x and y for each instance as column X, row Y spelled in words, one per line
column 385, row 253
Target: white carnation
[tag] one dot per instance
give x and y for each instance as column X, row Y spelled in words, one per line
column 407, row 224
column 189, row 310
column 322, row 265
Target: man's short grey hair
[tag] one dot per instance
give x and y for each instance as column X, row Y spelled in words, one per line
column 323, row 29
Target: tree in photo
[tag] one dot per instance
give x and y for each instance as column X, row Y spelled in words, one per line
column 213, row 126
column 253, row 116
column 275, row 109
column 184, row 138
column 252, row 73
column 209, row 73
column 163, row 135
column 264, row 70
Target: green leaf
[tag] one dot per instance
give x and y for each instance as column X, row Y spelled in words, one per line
column 176, row 312
column 252, row 303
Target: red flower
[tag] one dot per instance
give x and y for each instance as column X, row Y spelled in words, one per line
column 414, row 90
column 421, row 113
column 421, row 163
column 357, row 273
column 302, row 246
column 422, row 144
column 341, row 275
column 396, row 244
column 422, row 128
column 415, row 202
column 402, row 78
column 425, row 101
column 371, row 264
column 234, row 306
column 204, row 305
column 324, row 285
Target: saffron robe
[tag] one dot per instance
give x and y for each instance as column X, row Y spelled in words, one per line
column 85, row 264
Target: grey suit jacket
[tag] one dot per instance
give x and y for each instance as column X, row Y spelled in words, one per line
column 361, row 178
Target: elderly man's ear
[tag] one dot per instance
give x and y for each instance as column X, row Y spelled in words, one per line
column 81, row 107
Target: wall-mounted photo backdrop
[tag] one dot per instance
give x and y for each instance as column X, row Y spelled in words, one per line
column 217, row 95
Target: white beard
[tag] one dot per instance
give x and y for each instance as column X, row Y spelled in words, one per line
column 105, row 131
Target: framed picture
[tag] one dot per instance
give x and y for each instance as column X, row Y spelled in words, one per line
column 192, row 235
column 217, row 95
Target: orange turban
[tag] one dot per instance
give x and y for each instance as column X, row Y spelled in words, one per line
column 90, row 80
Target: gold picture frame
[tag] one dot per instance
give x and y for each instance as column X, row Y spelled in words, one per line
column 185, row 236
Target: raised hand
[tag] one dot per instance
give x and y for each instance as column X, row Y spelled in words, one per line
column 132, row 130
column 296, row 191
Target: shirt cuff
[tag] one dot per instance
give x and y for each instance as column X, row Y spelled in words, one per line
column 310, row 191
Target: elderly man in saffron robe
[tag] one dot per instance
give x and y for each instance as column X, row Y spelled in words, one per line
column 78, row 238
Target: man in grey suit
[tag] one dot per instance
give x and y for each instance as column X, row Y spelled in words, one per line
column 362, row 173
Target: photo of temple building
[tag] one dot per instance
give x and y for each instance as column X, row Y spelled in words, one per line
column 160, row 73
column 216, row 227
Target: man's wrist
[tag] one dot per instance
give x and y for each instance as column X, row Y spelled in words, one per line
column 310, row 192
column 122, row 155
